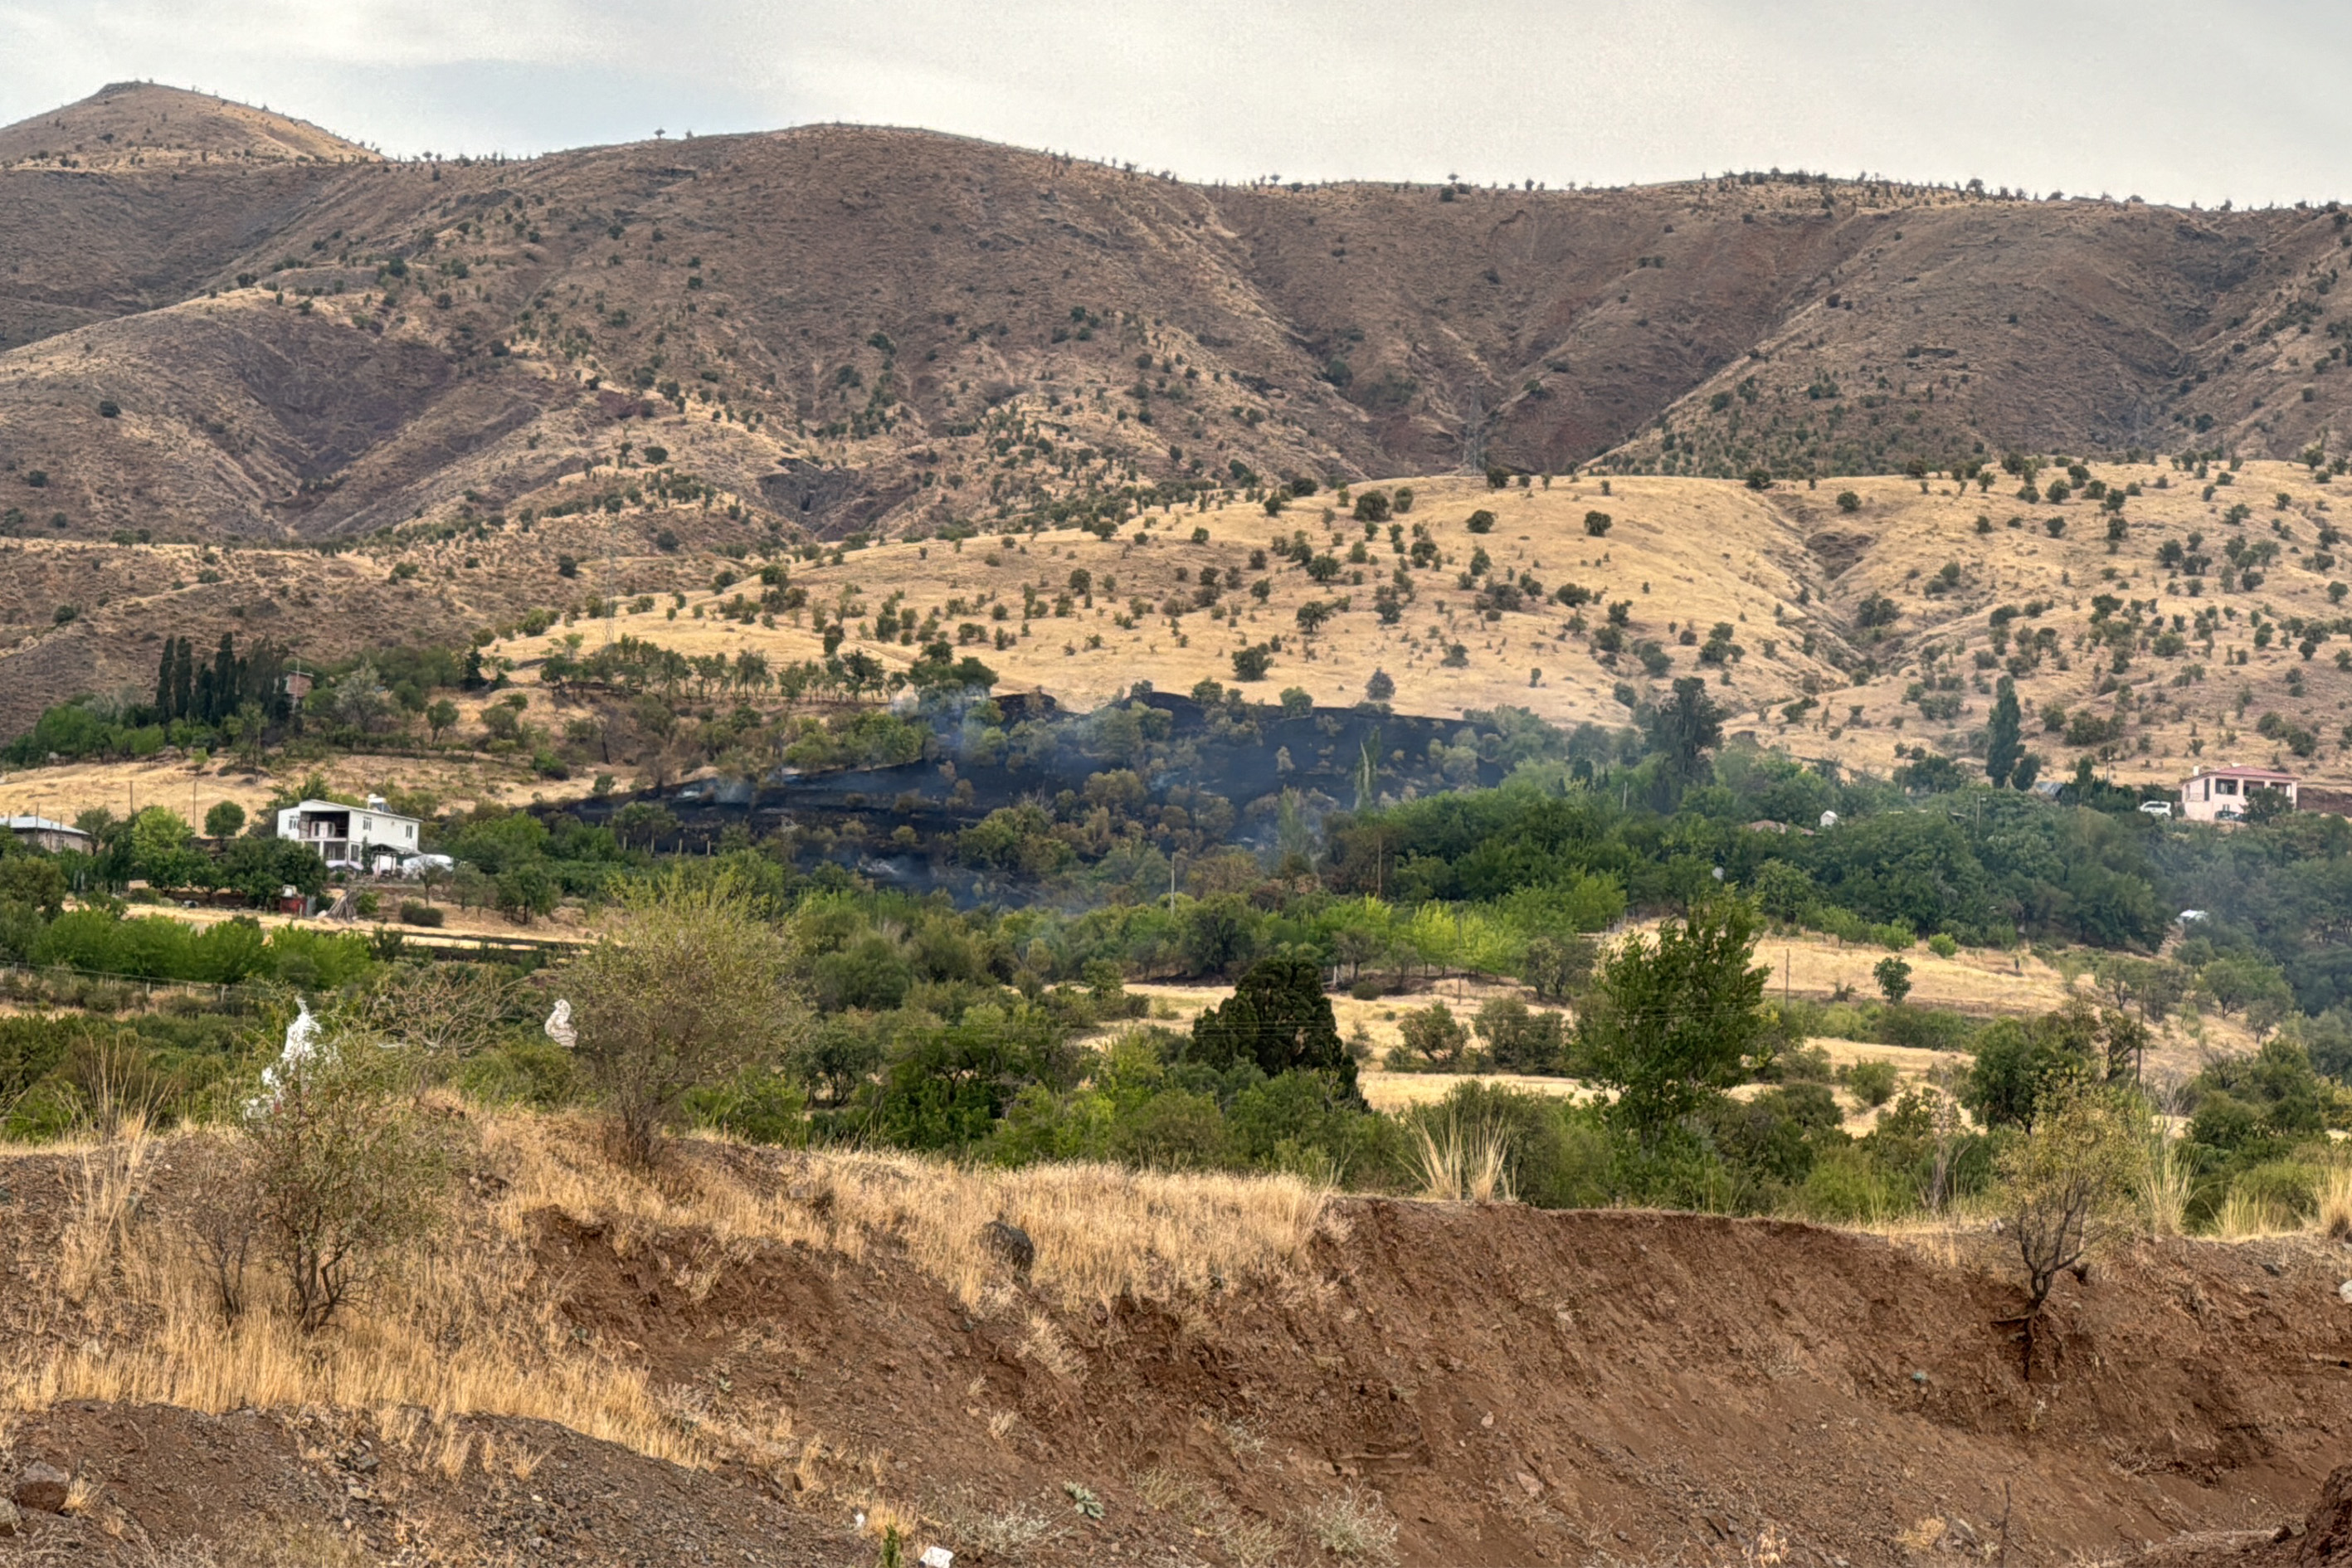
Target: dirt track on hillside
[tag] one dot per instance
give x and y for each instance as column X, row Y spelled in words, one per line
column 1506, row 1386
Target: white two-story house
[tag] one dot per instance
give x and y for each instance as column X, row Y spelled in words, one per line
column 358, row 837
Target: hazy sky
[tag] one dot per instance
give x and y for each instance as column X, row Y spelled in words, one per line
column 2171, row 101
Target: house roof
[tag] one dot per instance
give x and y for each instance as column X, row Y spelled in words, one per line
column 338, row 806
column 2241, row 773
column 42, row 824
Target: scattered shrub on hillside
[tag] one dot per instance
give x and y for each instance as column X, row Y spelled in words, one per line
column 1872, row 1082
column 1434, row 1036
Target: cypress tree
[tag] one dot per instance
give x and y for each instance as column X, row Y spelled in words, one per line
column 224, row 697
column 163, row 683
column 184, row 680
column 2002, row 748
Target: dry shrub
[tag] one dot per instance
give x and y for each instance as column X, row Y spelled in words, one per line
column 2247, row 1215
column 2166, row 1178
column 108, row 1185
column 1010, row 1532
column 341, row 1172
column 1354, row 1525
column 2333, row 1218
column 2061, row 1184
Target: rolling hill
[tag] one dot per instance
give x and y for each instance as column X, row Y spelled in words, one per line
column 231, row 344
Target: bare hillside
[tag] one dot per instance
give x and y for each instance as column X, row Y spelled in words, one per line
column 880, row 328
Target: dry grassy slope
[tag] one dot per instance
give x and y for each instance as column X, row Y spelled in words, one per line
column 1540, row 327
column 132, row 124
column 1218, row 1361
column 1778, row 568
column 1687, row 553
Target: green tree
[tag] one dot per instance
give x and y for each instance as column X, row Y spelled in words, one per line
column 1674, row 1020
column 2022, row 1065
column 1556, row 968
column 1519, row 1039
column 439, row 716
column 2003, row 746
column 225, row 820
column 1435, row 1035
column 1684, row 729
column 688, row 987
column 1893, row 978
column 1279, row 1018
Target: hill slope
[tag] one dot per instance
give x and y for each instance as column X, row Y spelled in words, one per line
column 1855, row 636
column 868, row 325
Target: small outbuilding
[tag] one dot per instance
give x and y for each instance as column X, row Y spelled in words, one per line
column 50, row 838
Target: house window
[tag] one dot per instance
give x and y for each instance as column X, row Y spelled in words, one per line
column 2225, row 786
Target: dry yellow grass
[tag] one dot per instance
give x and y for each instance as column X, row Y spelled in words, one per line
column 1685, row 553
column 472, row 1325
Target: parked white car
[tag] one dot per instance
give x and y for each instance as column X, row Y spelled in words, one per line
column 2155, row 809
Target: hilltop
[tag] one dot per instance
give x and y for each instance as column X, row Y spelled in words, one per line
column 134, row 125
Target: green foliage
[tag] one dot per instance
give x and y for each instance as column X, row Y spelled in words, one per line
column 1279, row 1018
column 1673, row 1020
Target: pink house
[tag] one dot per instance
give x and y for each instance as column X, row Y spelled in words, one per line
column 2214, row 794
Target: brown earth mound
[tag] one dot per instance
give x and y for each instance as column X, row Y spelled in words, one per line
column 1448, row 1383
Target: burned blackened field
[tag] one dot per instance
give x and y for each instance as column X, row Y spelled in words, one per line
column 1014, row 792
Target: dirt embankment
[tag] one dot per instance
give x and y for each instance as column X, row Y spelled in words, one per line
column 1493, row 1385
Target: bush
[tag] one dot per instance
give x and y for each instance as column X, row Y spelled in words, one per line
column 690, row 988
column 1943, row 944
column 414, row 913
column 1434, row 1036
column 1848, row 501
column 2062, row 1184
column 1597, row 524
column 339, row 1171
column 1481, row 521
column 1872, row 1083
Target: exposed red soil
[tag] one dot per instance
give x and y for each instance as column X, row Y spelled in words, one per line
column 1517, row 1386
column 271, row 1487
